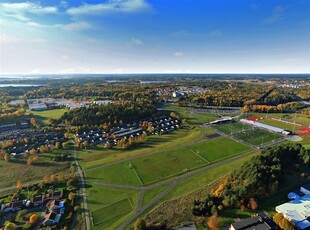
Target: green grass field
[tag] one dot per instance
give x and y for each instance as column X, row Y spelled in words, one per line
column 17, row 169
column 100, row 156
column 151, row 194
column 205, row 117
column 279, row 124
column 258, row 137
column 120, row 173
column 232, row 127
column 99, row 197
column 160, row 166
column 163, row 165
column 44, row 116
column 219, row 148
column 111, row 211
column 299, row 118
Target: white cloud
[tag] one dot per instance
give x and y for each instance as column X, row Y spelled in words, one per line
column 178, row 54
column 135, row 41
column 124, row 6
column 277, row 15
column 76, row 26
column 8, row 39
column 22, row 9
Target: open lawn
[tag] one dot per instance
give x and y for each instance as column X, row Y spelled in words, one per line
column 279, row 124
column 111, row 211
column 44, row 116
column 17, row 169
column 305, row 140
column 231, row 127
column 100, row 156
column 258, row 137
column 99, row 197
column 205, row 117
column 151, row 194
column 122, row 173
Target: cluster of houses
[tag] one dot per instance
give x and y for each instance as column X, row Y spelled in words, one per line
column 160, row 125
column 34, row 140
column 55, row 207
column 177, row 91
column 40, row 104
column 7, row 128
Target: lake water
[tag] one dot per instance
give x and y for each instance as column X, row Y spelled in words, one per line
column 17, row 85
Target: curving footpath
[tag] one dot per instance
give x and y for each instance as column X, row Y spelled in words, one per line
column 85, row 205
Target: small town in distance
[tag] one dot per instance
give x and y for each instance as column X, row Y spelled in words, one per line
column 178, row 152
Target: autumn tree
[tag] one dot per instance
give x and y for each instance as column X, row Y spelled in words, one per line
column 252, row 204
column 33, row 218
column 139, row 224
column 33, row 122
column 71, row 196
column 286, row 224
column 7, row 157
column 32, row 151
column 174, row 115
column 29, row 161
column 19, row 184
column 213, row 221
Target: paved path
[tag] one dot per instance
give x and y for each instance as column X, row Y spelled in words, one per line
column 85, row 205
column 148, row 205
column 173, row 183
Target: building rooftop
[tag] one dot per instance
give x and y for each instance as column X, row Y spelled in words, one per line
column 259, row 222
column 297, row 211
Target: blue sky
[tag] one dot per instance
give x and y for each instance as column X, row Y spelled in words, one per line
column 154, row 36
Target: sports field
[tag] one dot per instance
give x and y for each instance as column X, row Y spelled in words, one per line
column 232, row 127
column 122, row 173
column 160, row 166
column 258, row 137
column 298, row 118
column 111, row 211
column 110, row 206
column 280, row 124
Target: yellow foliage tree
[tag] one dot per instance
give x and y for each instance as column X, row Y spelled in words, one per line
column 19, row 184
column 213, row 221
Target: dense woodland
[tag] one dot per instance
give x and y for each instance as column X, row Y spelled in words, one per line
column 257, row 178
column 110, row 114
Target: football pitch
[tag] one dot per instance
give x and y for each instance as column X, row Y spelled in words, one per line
column 160, row 166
